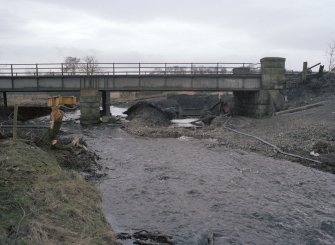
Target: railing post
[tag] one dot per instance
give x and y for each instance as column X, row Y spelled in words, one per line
column 217, row 68
column 36, row 70
column 87, row 71
column 165, row 69
column 11, row 70
column 62, row 76
column 191, row 68
column 113, row 69
column 139, row 69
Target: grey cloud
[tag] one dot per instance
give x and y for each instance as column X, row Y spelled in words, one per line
column 175, row 30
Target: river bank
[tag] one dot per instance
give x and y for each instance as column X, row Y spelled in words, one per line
column 45, row 202
column 308, row 133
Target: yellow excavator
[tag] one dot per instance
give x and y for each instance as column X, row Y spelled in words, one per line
column 69, row 102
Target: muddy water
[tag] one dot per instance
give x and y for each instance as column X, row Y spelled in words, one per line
column 185, row 188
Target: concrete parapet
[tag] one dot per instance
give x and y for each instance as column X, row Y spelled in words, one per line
column 89, row 106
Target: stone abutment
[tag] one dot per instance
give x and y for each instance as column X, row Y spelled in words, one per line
column 268, row 100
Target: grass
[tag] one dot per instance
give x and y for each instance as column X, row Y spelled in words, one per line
column 42, row 204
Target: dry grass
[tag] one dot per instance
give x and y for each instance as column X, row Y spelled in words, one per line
column 43, row 204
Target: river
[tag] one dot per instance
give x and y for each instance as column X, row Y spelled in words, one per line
column 186, row 188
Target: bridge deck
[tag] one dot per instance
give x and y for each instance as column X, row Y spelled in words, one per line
column 199, row 82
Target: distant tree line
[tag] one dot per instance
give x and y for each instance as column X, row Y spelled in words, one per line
column 87, row 65
column 189, row 70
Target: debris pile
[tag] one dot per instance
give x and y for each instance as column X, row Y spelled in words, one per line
column 147, row 114
column 144, row 238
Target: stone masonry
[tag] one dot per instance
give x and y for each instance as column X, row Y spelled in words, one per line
column 267, row 100
column 89, row 106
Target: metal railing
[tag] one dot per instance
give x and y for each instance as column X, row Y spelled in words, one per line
column 115, row 69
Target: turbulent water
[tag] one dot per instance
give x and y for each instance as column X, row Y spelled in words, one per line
column 187, row 188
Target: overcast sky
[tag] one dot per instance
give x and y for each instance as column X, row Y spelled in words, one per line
column 166, row 31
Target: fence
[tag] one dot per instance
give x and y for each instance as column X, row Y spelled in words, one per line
column 115, row 69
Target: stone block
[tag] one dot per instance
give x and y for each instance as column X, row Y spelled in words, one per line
column 273, row 71
column 90, row 99
column 272, row 81
column 256, row 98
column 89, row 106
column 273, row 62
column 254, row 104
column 256, row 111
column 89, row 92
column 108, row 119
column 277, row 99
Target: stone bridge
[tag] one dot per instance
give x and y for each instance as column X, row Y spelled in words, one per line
column 255, row 88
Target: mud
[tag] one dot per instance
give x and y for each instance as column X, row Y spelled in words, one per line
column 189, row 188
column 25, row 113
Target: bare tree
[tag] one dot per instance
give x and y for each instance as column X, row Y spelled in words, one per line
column 223, row 70
column 200, row 69
column 71, row 65
column 90, row 65
column 176, row 70
column 331, row 56
column 157, row 70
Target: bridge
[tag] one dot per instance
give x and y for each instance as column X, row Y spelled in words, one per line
column 130, row 77
column 253, row 84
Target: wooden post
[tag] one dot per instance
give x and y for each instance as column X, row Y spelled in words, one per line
column 321, row 69
column 16, row 107
column 304, row 72
column 5, row 104
column 49, row 138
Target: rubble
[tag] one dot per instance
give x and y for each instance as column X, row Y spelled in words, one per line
column 147, row 114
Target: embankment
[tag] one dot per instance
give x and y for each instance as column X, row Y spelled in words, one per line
column 41, row 203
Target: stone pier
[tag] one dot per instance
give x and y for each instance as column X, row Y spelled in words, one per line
column 106, row 102
column 268, row 100
column 89, row 106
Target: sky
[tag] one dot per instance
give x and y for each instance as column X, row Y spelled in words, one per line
column 38, row 31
